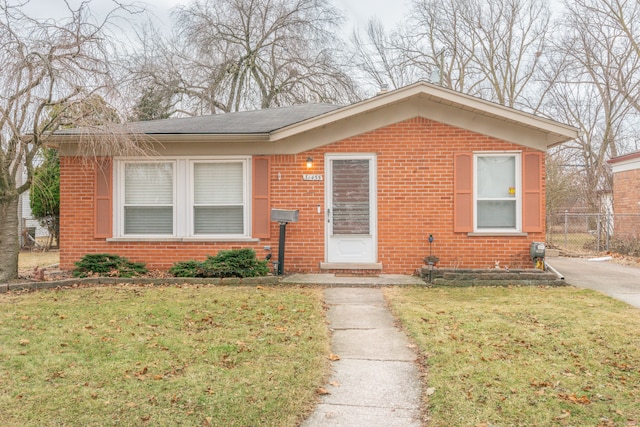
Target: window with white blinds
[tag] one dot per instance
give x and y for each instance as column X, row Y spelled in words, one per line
column 218, row 194
column 183, row 197
column 148, row 198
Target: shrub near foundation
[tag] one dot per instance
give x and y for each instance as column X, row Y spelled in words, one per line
column 108, row 265
column 229, row 263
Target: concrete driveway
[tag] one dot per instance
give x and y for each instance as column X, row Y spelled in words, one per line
column 618, row 281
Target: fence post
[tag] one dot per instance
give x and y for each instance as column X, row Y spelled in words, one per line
column 608, row 224
column 566, row 225
column 598, row 230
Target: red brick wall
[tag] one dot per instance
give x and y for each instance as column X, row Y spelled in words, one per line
column 626, row 204
column 415, row 199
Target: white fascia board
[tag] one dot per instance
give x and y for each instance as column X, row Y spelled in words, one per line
column 626, row 165
column 556, row 133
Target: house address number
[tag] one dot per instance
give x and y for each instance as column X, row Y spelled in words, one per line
column 312, row 177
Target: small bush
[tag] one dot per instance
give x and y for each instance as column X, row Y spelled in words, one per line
column 229, row 263
column 186, row 269
column 107, row 265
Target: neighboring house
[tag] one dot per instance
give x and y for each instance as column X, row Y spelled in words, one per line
column 27, row 223
column 372, row 181
column 626, row 195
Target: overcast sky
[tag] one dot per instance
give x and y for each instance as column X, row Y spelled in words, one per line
column 357, row 11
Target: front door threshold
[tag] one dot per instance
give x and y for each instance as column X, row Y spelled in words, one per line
column 350, row 266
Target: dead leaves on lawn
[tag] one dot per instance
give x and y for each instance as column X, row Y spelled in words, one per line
column 581, row 400
column 147, row 344
column 144, row 373
column 564, row 415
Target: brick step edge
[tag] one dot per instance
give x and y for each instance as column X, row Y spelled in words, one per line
column 493, row 283
column 490, row 277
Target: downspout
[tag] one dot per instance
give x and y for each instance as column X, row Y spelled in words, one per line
column 554, row 271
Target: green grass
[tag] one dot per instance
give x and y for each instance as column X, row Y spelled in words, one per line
column 161, row 356
column 524, row 356
column 199, row 355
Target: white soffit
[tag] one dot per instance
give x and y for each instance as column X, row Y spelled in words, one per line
column 632, row 163
column 445, row 106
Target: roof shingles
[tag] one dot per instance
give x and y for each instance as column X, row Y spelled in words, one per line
column 244, row 122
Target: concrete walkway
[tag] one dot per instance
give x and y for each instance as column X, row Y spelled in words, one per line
column 618, row 281
column 376, row 382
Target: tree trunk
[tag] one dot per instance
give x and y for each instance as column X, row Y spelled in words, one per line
column 9, row 248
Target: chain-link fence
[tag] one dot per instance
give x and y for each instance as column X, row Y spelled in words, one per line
column 585, row 233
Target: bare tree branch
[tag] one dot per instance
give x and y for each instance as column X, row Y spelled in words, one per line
column 585, row 88
column 49, row 67
column 489, row 48
column 230, row 55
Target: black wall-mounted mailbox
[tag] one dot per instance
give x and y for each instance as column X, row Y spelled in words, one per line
column 282, row 215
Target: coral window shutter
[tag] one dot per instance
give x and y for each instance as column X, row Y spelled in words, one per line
column 103, row 198
column 532, row 203
column 260, row 198
column 463, row 193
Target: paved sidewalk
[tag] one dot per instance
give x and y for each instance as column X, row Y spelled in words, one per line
column 376, row 382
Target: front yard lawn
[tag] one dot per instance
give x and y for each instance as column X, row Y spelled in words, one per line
column 524, row 356
column 161, row 356
column 240, row 356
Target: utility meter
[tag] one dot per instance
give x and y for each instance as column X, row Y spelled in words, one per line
column 537, row 250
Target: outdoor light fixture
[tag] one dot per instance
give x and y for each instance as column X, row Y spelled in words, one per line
column 309, row 162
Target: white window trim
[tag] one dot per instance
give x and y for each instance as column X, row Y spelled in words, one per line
column 518, row 177
column 183, row 189
column 246, row 224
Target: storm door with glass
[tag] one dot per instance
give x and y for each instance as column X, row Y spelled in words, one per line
column 351, row 209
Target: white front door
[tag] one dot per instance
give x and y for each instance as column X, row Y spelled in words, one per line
column 351, row 230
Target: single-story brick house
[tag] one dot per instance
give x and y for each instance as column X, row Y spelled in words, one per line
column 626, row 195
column 371, row 181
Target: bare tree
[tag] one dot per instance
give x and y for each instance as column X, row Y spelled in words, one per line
column 614, row 28
column 487, row 48
column 563, row 174
column 48, row 68
column 231, row 55
column 493, row 49
column 381, row 58
column 442, row 43
column 584, row 76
